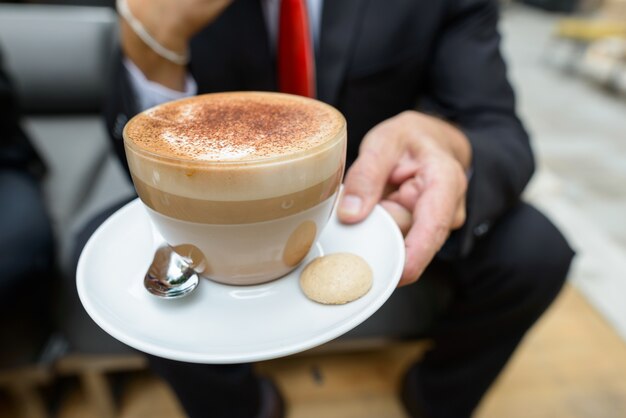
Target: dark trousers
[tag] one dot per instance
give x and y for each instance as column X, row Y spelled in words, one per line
column 27, row 268
column 509, row 280
column 512, row 275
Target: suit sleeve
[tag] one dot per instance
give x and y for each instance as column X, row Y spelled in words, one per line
column 468, row 86
column 120, row 106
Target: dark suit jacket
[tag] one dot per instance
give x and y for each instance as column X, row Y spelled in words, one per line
column 375, row 59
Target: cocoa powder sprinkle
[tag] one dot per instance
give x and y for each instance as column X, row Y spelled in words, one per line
column 234, row 126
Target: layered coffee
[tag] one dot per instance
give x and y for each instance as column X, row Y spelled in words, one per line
column 248, row 178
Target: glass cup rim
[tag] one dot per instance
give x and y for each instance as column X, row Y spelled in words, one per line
column 335, row 137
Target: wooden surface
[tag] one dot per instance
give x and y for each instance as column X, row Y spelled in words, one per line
column 571, row 365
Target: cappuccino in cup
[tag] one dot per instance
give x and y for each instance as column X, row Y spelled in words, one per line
column 246, row 180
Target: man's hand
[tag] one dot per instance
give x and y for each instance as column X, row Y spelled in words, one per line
column 172, row 23
column 415, row 166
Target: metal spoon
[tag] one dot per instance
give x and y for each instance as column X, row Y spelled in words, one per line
column 170, row 275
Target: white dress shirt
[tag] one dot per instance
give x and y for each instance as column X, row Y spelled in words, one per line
column 148, row 93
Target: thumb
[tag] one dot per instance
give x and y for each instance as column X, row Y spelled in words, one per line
column 367, row 177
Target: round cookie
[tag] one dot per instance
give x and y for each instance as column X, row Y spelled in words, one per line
column 336, row 279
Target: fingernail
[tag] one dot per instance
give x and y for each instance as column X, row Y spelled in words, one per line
column 350, row 205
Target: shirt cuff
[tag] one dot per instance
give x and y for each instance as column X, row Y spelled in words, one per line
column 149, row 94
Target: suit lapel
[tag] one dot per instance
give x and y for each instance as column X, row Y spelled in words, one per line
column 340, row 27
column 233, row 52
column 256, row 56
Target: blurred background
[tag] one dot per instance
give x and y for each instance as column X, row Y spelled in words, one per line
column 567, row 61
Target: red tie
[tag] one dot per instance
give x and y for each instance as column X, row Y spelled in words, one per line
column 296, row 70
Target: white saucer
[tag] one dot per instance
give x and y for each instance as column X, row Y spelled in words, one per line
column 227, row 324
